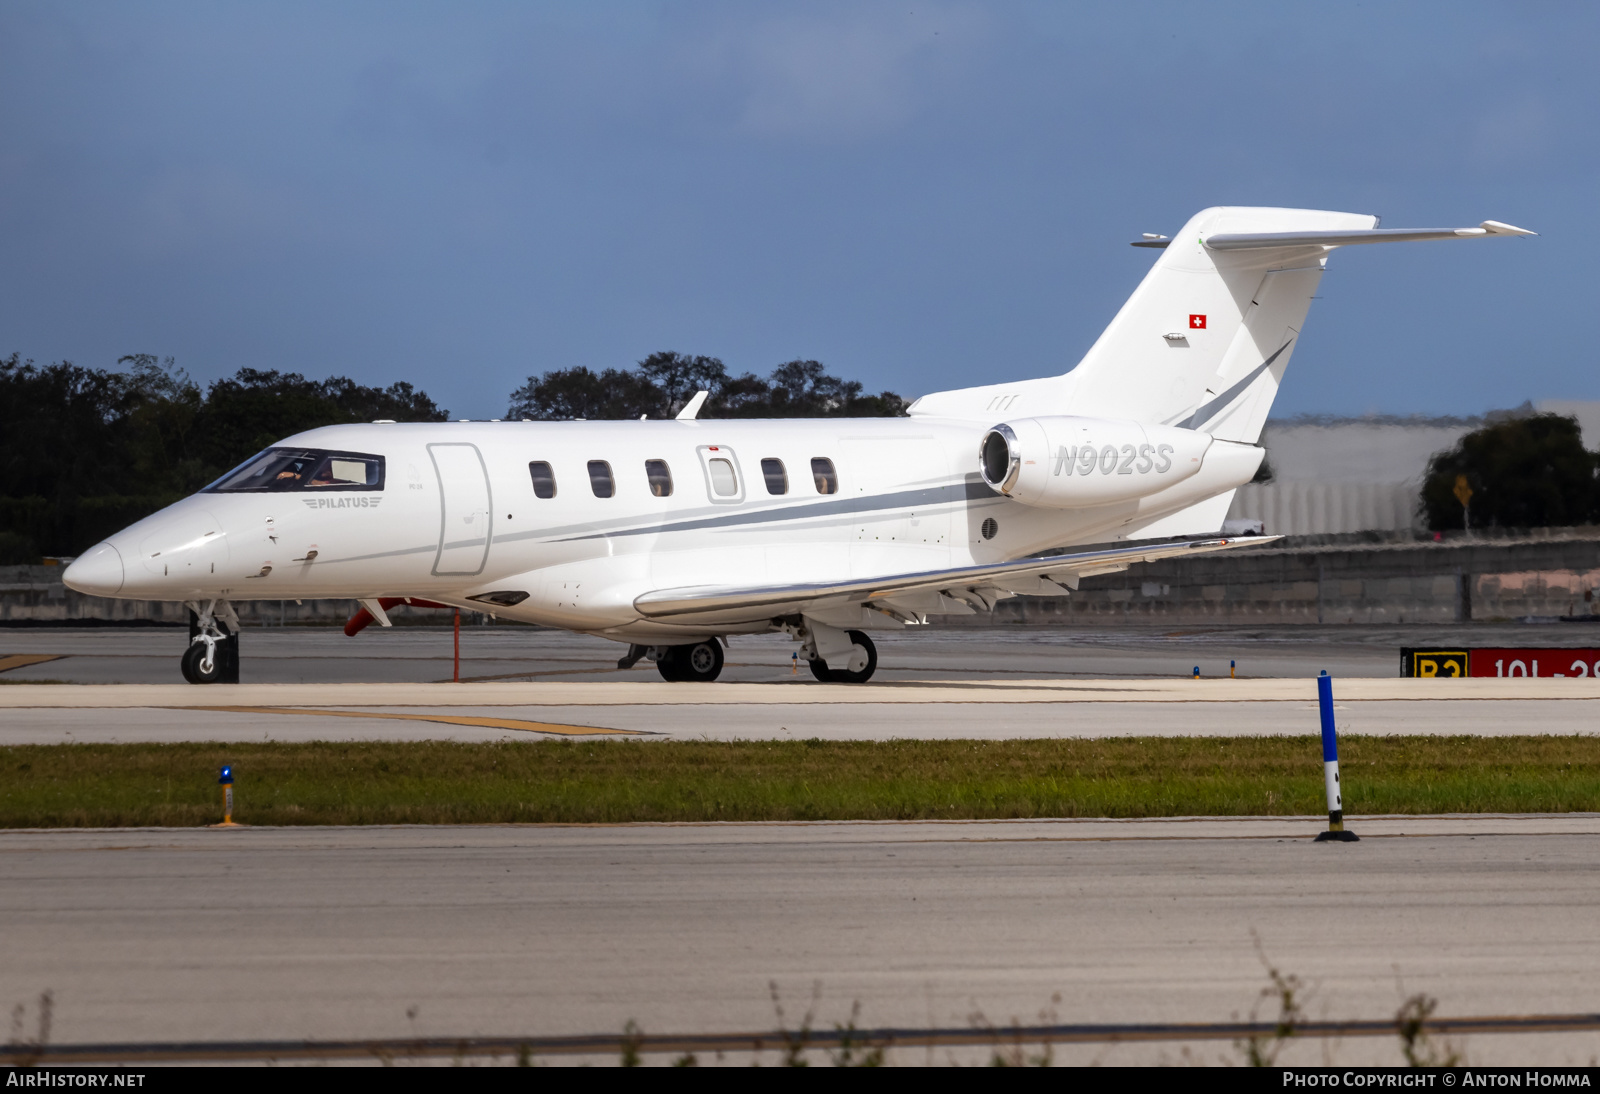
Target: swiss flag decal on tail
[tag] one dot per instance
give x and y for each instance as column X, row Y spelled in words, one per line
column 1197, row 322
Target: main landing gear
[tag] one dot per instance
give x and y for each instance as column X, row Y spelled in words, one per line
column 697, row 661
column 700, row 662
column 834, row 656
column 213, row 653
column 862, row 652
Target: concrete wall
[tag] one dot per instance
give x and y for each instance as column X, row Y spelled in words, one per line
column 1339, row 475
column 1549, row 573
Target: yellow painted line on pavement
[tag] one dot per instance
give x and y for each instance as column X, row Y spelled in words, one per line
column 23, row 660
column 470, row 720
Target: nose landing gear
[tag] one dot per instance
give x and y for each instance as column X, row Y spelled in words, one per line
column 213, row 653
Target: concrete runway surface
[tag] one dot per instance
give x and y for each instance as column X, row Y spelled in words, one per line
column 254, row 934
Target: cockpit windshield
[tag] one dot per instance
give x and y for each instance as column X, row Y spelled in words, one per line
column 302, row 469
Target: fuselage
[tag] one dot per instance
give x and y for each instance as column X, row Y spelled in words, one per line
column 574, row 520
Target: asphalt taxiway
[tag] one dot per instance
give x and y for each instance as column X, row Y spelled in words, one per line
column 113, row 687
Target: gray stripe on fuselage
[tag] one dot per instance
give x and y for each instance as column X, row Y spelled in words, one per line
column 969, row 491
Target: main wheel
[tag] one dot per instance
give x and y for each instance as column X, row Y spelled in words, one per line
column 196, row 669
column 820, row 669
column 701, row 662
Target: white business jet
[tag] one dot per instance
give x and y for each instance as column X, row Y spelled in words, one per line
column 672, row 535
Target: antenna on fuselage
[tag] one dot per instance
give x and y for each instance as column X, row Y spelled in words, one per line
column 692, row 407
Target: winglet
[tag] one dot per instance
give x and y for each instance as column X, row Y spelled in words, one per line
column 692, row 407
column 1496, row 228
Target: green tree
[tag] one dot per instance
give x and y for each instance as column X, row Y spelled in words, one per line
column 1529, row 472
column 579, row 393
column 662, row 383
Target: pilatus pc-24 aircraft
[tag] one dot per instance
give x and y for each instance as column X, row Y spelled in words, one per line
column 672, row 535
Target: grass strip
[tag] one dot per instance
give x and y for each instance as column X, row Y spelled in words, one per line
column 446, row 782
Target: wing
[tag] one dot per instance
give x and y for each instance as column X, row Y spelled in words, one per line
column 912, row 597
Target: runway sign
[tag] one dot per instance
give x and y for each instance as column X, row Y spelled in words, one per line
column 1544, row 661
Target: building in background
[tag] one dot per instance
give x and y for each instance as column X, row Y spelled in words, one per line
column 1333, row 475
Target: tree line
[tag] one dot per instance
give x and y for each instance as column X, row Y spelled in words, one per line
column 85, row 452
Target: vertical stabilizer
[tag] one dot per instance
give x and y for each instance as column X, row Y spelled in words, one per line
column 1204, row 341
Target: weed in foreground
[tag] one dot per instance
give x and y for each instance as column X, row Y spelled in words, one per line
column 1416, row 1044
column 20, row 1050
column 1262, row 1049
column 1009, row 1048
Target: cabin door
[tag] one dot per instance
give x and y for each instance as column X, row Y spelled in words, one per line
column 465, row 510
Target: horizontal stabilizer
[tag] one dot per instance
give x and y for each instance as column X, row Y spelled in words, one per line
column 1239, row 241
column 729, row 604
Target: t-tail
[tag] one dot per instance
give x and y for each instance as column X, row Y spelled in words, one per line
column 1205, row 339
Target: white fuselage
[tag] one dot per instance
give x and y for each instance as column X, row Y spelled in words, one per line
column 457, row 517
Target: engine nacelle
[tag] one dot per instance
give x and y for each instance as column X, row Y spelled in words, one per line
column 1065, row 462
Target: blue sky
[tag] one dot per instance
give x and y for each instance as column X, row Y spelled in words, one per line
column 920, row 195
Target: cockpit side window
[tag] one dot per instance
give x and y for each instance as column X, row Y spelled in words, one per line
column 311, row 469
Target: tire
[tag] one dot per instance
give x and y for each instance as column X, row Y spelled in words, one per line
column 193, row 657
column 820, row 669
column 700, row 662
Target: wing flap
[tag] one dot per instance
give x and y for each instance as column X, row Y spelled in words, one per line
column 1030, row 575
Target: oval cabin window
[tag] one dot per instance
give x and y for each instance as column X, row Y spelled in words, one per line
column 777, row 478
column 600, row 479
column 544, row 479
column 826, row 478
column 660, row 476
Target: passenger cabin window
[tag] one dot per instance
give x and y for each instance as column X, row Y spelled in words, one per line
column 777, row 479
column 724, row 483
column 600, row 479
column 826, row 478
column 660, row 476
column 302, row 469
column 544, row 479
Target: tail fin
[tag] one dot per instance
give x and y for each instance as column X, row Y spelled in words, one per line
column 1204, row 340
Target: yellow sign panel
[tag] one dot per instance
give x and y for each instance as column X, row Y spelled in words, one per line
column 1451, row 663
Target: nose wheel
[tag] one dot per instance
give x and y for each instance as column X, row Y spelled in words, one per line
column 202, row 663
column 213, row 653
column 700, row 662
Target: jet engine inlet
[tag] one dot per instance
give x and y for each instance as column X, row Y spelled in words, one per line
column 1000, row 456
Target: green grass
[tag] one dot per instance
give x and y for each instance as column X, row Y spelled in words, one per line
column 612, row 781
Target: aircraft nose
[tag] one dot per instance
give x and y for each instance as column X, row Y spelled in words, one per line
column 98, row 573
